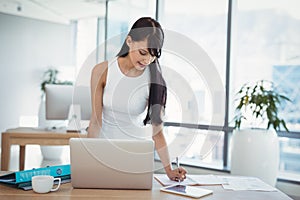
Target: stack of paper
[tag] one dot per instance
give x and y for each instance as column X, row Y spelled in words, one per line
column 246, row 183
column 191, row 180
column 228, row 182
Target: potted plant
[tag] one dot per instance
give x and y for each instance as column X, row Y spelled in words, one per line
column 255, row 150
column 49, row 77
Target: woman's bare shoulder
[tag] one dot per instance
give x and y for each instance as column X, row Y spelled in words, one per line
column 100, row 67
column 99, row 73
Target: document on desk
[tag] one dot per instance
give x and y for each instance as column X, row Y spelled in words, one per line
column 209, row 179
column 246, row 183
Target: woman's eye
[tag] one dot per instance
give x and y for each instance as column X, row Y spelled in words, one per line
column 143, row 53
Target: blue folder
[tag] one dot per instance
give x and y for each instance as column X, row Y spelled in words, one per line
column 22, row 179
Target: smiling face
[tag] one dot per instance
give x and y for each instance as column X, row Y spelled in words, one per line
column 139, row 53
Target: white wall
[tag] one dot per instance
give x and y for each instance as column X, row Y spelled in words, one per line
column 28, row 47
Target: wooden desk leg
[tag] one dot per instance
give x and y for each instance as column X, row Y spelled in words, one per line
column 5, row 152
column 22, row 158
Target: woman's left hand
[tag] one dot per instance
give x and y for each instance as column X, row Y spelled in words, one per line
column 178, row 174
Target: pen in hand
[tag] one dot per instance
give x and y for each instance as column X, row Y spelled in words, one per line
column 178, row 165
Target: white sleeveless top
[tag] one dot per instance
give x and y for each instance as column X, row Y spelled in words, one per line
column 125, row 100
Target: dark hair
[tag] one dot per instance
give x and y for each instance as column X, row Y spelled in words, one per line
column 150, row 29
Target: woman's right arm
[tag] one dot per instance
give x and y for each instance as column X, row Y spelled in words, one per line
column 98, row 81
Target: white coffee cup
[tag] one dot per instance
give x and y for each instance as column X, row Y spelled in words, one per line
column 44, row 183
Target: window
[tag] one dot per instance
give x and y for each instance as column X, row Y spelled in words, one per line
column 121, row 15
column 196, row 147
column 289, row 165
column 266, row 45
column 86, row 39
column 192, row 99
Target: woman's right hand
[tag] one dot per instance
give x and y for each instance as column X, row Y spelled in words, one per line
column 178, row 174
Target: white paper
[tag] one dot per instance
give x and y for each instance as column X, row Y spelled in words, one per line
column 191, row 180
column 209, row 179
column 246, row 183
column 165, row 181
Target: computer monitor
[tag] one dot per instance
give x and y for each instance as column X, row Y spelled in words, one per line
column 59, row 99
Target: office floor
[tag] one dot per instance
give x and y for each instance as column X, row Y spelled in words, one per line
column 34, row 158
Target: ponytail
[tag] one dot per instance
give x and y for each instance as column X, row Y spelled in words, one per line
column 157, row 95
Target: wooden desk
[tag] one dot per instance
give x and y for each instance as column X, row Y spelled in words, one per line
column 25, row 136
column 67, row 192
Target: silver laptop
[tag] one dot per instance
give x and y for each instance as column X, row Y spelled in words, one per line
column 110, row 163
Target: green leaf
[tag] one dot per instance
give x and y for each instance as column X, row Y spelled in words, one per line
column 262, row 101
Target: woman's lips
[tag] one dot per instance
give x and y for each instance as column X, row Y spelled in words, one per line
column 141, row 65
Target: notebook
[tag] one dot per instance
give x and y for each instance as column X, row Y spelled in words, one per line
column 111, row 163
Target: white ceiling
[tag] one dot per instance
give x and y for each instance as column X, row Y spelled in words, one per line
column 59, row 11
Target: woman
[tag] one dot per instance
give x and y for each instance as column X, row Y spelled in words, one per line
column 121, row 93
